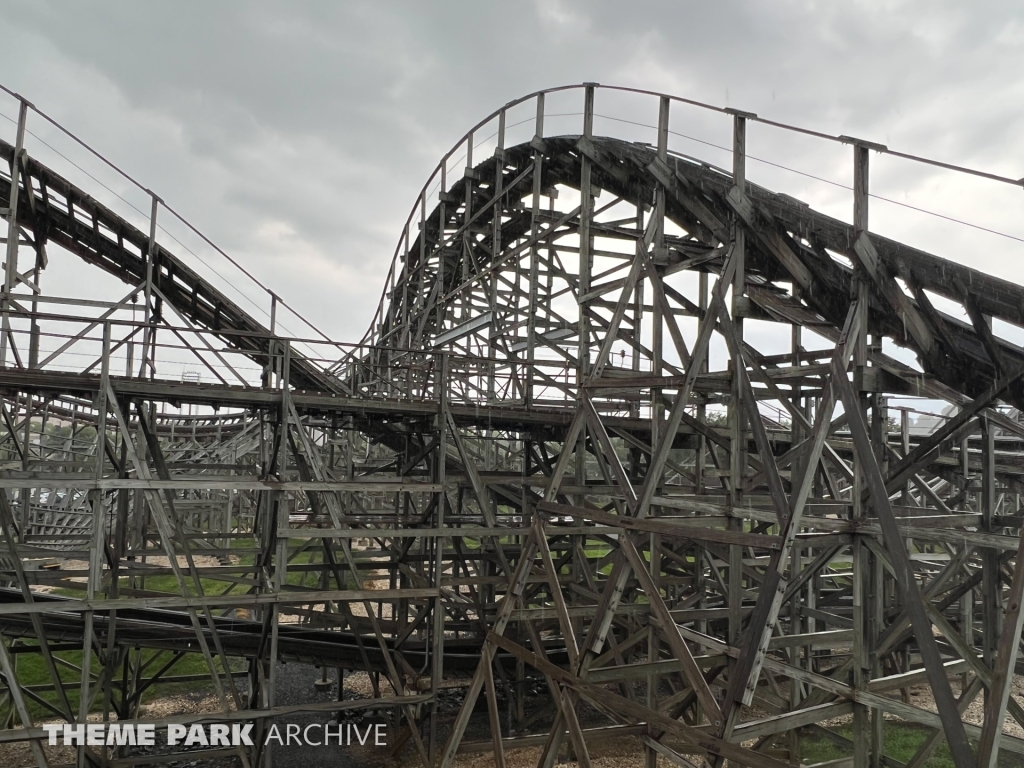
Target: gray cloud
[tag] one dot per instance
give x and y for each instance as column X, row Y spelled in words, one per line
column 297, row 134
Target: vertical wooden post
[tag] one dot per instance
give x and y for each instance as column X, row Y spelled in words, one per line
column 96, row 558
column 737, row 417
column 494, row 346
column 437, row 627
column 531, row 302
column 586, row 243
column 585, row 268
column 442, row 219
column 862, row 737
column 13, row 235
column 25, row 494
column 276, row 543
column 998, row 693
column 657, row 320
column 991, row 602
column 268, row 368
column 875, row 613
column 657, row 404
column 149, row 333
column 701, row 461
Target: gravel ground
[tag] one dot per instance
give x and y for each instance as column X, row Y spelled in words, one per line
column 295, row 686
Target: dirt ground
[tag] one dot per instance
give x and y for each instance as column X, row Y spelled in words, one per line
column 160, row 561
column 624, row 753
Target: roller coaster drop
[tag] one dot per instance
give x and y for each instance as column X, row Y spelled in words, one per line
column 555, row 444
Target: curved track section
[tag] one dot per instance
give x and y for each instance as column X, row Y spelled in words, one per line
column 461, row 283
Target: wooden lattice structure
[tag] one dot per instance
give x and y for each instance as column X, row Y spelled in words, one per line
column 559, row 444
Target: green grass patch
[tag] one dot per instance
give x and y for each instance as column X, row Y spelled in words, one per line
column 32, row 671
column 901, row 741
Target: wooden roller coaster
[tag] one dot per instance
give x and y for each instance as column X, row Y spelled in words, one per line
column 557, row 479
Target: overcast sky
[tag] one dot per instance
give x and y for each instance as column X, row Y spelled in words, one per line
column 297, row 134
